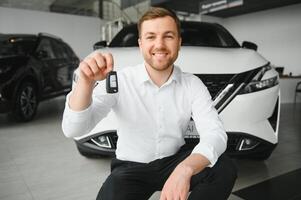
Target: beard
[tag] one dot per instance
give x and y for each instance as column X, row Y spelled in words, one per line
column 158, row 64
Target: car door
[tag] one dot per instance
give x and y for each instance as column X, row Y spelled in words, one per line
column 46, row 57
column 64, row 66
column 72, row 62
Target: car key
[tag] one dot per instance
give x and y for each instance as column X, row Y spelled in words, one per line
column 112, row 82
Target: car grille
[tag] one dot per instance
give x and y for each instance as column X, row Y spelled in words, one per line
column 215, row 82
column 114, row 139
column 233, row 141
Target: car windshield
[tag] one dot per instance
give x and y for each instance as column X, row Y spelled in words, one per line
column 206, row 34
column 14, row 46
column 193, row 34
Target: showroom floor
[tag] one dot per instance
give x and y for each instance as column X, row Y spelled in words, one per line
column 37, row 162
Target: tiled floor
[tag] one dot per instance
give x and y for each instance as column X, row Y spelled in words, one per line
column 37, row 162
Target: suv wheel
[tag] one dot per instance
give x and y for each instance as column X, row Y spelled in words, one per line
column 26, row 102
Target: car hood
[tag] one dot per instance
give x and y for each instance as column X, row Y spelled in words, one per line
column 198, row 60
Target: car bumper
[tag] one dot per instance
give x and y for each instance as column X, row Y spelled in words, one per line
column 251, row 122
column 255, row 114
column 91, row 146
column 91, row 150
column 257, row 148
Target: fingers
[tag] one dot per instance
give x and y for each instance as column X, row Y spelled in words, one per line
column 96, row 66
column 85, row 69
column 173, row 195
column 109, row 61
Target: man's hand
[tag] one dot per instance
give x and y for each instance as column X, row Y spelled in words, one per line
column 96, row 66
column 177, row 185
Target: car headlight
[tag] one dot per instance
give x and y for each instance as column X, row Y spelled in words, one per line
column 247, row 144
column 267, row 77
column 102, row 141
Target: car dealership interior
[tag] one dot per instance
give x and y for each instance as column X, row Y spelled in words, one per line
column 246, row 52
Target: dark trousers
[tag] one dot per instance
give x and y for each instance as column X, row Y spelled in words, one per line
column 138, row 181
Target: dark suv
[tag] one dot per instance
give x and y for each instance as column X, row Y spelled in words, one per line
column 33, row 68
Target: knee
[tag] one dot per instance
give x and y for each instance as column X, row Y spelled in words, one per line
column 115, row 181
column 112, row 188
column 227, row 169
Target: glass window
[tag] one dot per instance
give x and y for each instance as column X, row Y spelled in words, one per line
column 45, row 46
column 127, row 37
column 197, row 37
column 68, row 50
column 59, row 50
column 206, row 34
column 193, row 34
column 130, row 40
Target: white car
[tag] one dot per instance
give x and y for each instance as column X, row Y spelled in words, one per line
column 242, row 83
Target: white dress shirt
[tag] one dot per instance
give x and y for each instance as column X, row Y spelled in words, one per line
column 152, row 120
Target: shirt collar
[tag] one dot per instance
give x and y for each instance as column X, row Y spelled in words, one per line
column 144, row 77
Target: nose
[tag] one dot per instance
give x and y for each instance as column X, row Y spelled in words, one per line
column 159, row 42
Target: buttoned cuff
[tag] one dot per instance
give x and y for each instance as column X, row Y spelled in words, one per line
column 206, row 150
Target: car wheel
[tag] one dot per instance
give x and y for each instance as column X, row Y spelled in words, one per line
column 26, row 102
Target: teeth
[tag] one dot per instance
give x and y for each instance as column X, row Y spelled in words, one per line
column 159, row 53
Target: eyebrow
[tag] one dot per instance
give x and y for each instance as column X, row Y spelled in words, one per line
column 165, row 33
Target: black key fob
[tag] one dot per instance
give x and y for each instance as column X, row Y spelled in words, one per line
column 112, row 82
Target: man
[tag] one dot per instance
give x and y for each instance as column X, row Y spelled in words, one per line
column 153, row 107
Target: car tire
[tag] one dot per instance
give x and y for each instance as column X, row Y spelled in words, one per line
column 26, row 102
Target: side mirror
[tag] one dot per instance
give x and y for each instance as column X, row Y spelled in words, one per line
column 99, row 45
column 249, row 45
column 42, row 54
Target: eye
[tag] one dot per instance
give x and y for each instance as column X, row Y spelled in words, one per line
column 151, row 37
column 169, row 36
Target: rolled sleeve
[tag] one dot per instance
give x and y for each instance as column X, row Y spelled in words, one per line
column 211, row 150
column 213, row 138
column 75, row 123
column 78, row 123
column 206, row 150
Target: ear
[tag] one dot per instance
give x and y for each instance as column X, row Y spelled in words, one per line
column 139, row 43
column 180, row 43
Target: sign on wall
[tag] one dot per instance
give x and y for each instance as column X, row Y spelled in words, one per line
column 209, row 6
column 128, row 3
column 189, row 6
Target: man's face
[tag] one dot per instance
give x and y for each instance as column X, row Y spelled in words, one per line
column 159, row 42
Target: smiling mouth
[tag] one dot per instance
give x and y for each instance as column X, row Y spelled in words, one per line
column 159, row 54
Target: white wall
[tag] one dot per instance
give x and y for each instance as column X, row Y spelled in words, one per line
column 79, row 32
column 277, row 33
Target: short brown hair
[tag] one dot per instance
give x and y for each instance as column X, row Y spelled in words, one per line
column 157, row 12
